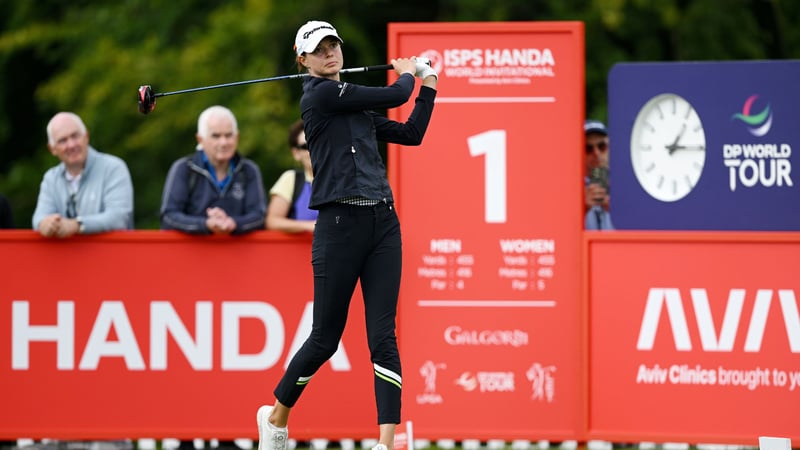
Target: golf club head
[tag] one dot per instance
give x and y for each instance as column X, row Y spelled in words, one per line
column 147, row 101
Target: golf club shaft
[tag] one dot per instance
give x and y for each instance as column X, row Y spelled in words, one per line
column 367, row 68
column 281, row 77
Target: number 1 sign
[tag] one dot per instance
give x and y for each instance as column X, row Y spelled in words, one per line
column 491, row 210
column 492, row 145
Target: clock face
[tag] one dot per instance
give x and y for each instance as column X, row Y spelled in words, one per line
column 668, row 147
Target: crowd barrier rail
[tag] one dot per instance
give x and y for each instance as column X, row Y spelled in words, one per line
column 683, row 336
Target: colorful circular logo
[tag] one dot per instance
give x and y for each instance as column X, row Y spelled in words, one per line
column 757, row 124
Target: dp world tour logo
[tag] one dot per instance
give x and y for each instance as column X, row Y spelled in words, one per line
column 758, row 124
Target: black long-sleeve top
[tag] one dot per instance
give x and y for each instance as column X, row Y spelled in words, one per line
column 343, row 133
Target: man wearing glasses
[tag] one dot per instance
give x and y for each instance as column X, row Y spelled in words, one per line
column 596, row 192
column 88, row 192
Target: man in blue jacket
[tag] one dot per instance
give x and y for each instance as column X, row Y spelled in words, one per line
column 88, row 192
column 216, row 190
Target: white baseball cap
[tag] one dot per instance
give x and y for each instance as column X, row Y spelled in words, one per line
column 311, row 34
column 595, row 126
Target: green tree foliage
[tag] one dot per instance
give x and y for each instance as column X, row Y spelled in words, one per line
column 90, row 56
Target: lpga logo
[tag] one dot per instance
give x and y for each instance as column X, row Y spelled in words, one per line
column 758, row 124
column 429, row 371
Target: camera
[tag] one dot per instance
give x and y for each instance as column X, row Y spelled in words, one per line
column 599, row 175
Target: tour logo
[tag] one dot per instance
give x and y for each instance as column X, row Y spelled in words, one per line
column 758, row 123
column 756, row 163
column 543, row 382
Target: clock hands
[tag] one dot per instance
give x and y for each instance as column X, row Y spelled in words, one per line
column 689, row 147
column 674, row 146
column 671, row 148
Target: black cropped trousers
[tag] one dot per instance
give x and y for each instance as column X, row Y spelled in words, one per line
column 353, row 243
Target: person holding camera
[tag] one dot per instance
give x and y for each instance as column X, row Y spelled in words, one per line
column 596, row 191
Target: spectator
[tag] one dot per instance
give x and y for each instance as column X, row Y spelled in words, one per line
column 88, row 192
column 596, row 192
column 6, row 216
column 289, row 196
column 215, row 190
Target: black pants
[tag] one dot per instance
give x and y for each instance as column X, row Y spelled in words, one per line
column 352, row 243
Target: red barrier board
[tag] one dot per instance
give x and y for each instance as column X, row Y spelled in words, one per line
column 694, row 336
column 490, row 206
column 156, row 334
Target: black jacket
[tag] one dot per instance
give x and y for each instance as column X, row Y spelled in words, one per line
column 190, row 189
column 343, row 134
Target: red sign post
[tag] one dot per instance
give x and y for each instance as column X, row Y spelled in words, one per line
column 694, row 335
column 490, row 206
column 157, row 334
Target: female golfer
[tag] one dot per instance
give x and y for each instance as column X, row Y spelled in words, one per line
column 357, row 234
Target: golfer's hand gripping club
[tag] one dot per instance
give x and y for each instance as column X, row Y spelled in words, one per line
column 424, row 68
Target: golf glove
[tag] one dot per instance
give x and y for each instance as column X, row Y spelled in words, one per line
column 424, row 70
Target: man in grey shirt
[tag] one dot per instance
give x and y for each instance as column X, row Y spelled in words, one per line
column 88, row 192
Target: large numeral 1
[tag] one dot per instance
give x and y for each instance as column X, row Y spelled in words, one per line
column 492, row 144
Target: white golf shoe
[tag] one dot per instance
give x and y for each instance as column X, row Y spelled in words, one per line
column 270, row 437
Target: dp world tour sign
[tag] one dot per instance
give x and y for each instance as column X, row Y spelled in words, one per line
column 705, row 146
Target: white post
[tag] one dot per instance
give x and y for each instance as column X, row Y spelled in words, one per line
column 774, row 443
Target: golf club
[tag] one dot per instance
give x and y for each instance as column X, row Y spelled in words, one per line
column 147, row 98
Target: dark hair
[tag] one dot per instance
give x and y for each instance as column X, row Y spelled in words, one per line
column 294, row 132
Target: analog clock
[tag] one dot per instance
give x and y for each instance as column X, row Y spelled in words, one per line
column 668, row 147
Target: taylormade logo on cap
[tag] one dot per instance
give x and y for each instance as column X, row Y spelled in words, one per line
column 311, row 34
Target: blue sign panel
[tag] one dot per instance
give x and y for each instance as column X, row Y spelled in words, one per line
column 705, row 145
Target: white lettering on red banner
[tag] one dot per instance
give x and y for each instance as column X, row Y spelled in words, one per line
column 709, row 339
column 164, row 321
column 493, row 65
column 455, row 335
